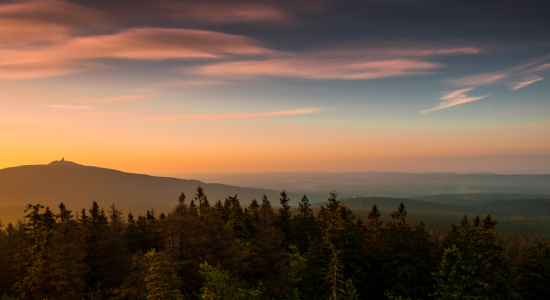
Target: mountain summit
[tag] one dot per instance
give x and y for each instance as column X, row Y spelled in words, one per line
column 64, row 162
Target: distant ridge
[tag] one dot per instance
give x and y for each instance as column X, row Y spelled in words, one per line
column 77, row 186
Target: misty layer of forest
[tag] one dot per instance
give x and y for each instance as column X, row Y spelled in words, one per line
column 226, row 251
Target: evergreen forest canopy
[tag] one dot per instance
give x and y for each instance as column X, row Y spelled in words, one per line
column 225, row 251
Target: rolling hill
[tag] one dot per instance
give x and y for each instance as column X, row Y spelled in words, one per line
column 77, row 186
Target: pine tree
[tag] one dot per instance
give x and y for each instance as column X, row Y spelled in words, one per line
column 236, row 218
column 534, row 273
column 161, row 280
column 400, row 214
column 254, row 211
column 453, row 278
column 305, row 227
column 407, row 264
column 134, row 287
column 269, row 257
column 38, row 232
column 493, row 275
column 373, row 228
column 221, row 285
column 218, row 206
column 92, row 230
column 66, row 269
column 202, row 199
column 219, row 245
column 283, row 220
column 116, row 260
column 335, row 274
column 9, row 252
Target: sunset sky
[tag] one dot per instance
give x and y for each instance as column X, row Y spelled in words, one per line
column 171, row 87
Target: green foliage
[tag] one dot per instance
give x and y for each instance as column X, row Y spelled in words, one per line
column 350, row 292
column 220, row 285
column 473, row 264
column 405, row 257
column 454, row 278
column 390, row 296
column 535, row 273
column 161, row 279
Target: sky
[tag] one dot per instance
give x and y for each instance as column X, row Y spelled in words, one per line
column 220, row 86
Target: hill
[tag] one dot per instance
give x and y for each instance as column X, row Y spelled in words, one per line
column 386, row 184
column 477, row 198
column 77, row 186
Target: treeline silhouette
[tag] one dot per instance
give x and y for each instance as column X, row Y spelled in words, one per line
column 225, row 251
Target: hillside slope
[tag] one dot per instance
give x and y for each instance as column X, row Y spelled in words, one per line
column 78, row 186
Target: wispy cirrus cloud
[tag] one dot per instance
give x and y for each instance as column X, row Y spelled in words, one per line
column 237, row 115
column 213, row 11
column 69, row 106
column 97, row 115
column 454, row 98
column 527, row 81
column 535, row 66
column 353, row 63
column 138, row 44
column 397, row 49
column 120, row 98
column 20, row 32
column 54, row 12
column 317, row 69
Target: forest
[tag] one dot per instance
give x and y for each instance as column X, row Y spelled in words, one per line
column 263, row 251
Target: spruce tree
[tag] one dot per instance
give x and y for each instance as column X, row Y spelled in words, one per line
column 453, row 278
column 283, row 220
column 269, row 257
column 202, row 199
column 305, row 227
column 92, row 230
column 66, row 270
column 9, row 253
column 492, row 272
column 37, row 234
column 534, row 272
column 373, row 228
column 161, row 280
column 407, row 264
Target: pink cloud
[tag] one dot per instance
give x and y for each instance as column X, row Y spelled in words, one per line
column 317, row 69
column 194, row 83
column 518, row 85
column 542, row 67
column 142, row 44
column 223, row 12
column 397, row 50
column 145, row 43
column 97, row 115
column 54, row 12
column 70, row 106
column 120, row 98
column 479, row 79
column 537, row 65
column 213, row 11
column 40, row 69
column 237, row 115
column 454, row 98
column 20, row 32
